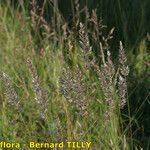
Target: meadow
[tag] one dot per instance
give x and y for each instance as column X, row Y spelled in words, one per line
column 75, row 74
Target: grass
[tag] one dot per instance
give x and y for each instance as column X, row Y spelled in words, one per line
column 59, row 91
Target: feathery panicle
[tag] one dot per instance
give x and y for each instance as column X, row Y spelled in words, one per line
column 73, row 89
column 66, row 83
column 122, row 90
column 110, row 65
column 35, row 81
column 41, row 96
column 100, row 40
column 106, row 77
column 10, row 92
column 107, row 71
column 98, row 29
column 94, row 19
column 106, row 39
column 123, row 73
column 79, row 88
column 124, row 69
column 98, row 24
column 86, row 48
column 84, row 39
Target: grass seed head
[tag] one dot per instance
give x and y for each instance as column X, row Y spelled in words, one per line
column 10, row 92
